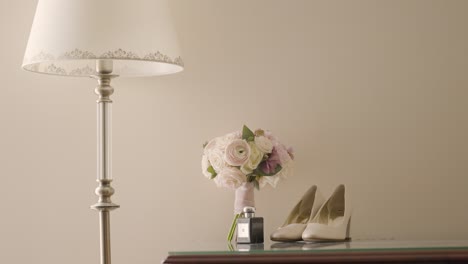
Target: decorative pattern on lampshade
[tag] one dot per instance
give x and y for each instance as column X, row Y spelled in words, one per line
column 67, row 37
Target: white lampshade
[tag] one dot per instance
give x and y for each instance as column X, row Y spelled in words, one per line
column 68, row 36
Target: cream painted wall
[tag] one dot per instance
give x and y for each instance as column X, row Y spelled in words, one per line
column 372, row 94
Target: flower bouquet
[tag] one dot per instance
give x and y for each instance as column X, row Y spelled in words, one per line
column 244, row 160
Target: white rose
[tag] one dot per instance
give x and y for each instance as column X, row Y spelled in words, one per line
column 216, row 159
column 271, row 137
column 255, row 158
column 230, row 177
column 272, row 180
column 233, row 136
column 209, row 146
column 237, row 152
column 205, row 165
column 264, row 144
column 224, row 141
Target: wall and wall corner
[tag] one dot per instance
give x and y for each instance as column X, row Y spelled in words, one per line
column 371, row 94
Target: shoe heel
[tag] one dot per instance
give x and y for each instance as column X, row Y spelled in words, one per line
column 348, row 229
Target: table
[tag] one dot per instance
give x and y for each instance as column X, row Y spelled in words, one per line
column 359, row 251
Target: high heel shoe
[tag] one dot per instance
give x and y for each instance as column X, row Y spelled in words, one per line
column 332, row 221
column 296, row 221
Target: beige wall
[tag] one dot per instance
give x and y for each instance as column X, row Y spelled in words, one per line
column 372, row 94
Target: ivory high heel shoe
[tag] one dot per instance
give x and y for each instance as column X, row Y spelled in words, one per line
column 296, row 222
column 332, row 221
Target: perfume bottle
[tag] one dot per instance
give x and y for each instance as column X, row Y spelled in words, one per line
column 249, row 227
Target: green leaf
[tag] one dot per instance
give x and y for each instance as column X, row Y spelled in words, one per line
column 212, row 171
column 250, row 177
column 257, row 185
column 204, row 144
column 247, row 134
column 260, row 172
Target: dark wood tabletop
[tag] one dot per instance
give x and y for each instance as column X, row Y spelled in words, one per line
column 348, row 252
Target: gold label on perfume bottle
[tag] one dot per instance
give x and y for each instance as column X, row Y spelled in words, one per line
column 243, row 230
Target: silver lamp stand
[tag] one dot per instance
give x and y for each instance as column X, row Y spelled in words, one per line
column 104, row 190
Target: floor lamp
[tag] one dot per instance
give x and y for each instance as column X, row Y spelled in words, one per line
column 103, row 39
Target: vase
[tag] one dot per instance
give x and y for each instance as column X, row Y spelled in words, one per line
column 244, row 196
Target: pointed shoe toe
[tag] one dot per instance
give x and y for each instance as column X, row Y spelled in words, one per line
column 332, row 221
column 296, row 222
column 292, row 232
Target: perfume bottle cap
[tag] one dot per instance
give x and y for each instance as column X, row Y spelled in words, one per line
column 249, row 212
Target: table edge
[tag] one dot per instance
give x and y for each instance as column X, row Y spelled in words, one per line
column 374, row 256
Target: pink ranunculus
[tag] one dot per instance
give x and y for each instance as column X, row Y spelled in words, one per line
column 237, row 152
column 230, row 177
